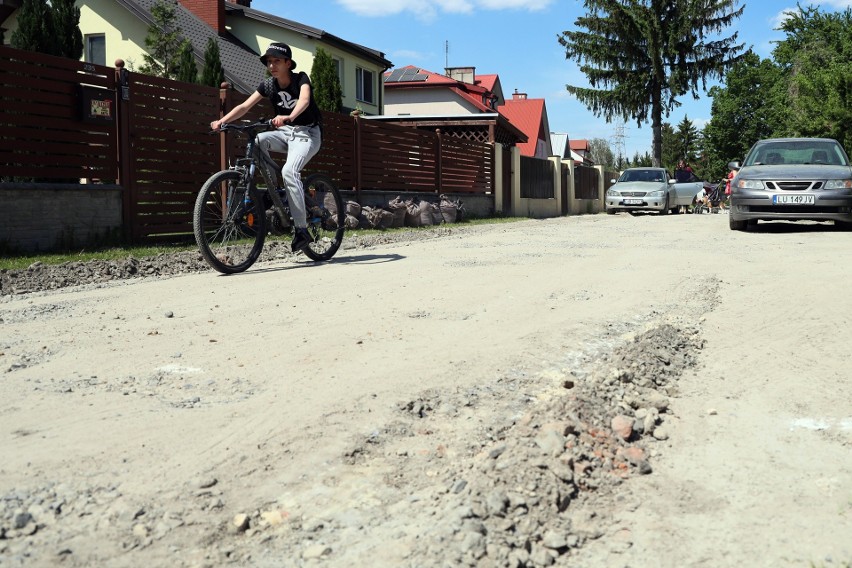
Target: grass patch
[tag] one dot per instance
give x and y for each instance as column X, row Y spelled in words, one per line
column 19, row 262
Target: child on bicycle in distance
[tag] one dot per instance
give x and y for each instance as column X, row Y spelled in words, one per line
column 297, row 121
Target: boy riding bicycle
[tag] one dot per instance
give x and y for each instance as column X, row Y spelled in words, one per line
column 297, row 127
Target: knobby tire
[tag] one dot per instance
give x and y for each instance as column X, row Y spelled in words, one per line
column 229, row 222
column 326, row 215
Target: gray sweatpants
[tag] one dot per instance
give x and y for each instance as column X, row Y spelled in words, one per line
column 301, row 144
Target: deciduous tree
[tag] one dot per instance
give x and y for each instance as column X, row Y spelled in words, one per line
column 601, row 153
column 642, row 56
column 748, row 106
column 816, row 59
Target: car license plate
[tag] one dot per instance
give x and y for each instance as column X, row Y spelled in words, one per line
column 633, row 202
column 793, row 199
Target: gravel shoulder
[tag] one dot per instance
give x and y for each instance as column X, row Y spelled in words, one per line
column 584, row 391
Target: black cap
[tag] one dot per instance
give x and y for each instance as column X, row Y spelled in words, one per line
column 279, row 50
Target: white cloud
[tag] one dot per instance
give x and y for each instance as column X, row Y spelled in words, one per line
column 428, row 10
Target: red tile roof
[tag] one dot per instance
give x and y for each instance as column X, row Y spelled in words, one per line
column 528, row 115
column 474, row 94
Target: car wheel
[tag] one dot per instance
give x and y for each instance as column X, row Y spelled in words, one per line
column 610, row 211
column 843, row 225
column 665, row 209
column 736, row 225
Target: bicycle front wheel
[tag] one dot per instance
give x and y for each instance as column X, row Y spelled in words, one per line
column 229, row 222
column 326, row 216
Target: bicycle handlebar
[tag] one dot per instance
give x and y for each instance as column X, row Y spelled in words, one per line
column 263, row 123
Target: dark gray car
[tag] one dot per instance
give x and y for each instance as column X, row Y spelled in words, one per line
column 792, row 179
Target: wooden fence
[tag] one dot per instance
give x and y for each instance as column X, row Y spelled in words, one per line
column 68, row 121
column 46, row 133
column 537, row 178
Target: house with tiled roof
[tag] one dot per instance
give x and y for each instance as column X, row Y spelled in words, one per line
column 529, row 115
column 459, row 102
column 116, row 29
column 562, row 147
column 582, row 149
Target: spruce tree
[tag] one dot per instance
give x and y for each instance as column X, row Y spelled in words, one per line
column 163, row 41
column 326, row 83
column 641, row 56
column 187, row 70
column 35, row 28
column 66, row 24
column 213, row 75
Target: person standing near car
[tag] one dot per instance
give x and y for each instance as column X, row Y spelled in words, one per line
column 297, row 125
column 683, row 172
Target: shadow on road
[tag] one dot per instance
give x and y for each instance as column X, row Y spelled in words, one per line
column 303, row 262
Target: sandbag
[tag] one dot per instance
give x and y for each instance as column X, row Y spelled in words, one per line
column 426, row 216
column 398, row 208
column 353, row 208
column 451, row 209
column 412, row 213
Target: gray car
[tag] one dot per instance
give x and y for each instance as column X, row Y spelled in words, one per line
column 649, row 189
column 792, row 179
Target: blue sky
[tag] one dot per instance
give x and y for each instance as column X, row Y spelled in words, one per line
column 516, row 39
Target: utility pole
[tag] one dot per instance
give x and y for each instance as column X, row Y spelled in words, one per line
column 617, row 141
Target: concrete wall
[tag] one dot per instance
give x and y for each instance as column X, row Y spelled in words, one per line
column 38, row 218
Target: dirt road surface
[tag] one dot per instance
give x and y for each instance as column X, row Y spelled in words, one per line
column 583, row 391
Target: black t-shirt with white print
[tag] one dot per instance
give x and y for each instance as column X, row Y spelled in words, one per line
column 283, row 100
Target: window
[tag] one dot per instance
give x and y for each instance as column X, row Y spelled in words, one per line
column 96, row 49
column 364, row 85
column 338, row 68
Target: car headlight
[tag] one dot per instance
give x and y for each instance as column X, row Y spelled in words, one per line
column 658, row 193
column 612, row 193
column 750, row 184
column 838, row 184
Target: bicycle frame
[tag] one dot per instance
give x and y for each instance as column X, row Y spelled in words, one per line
column 255, row 159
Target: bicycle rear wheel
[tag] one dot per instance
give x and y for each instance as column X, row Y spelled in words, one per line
column 229, row 222
column 326, row 217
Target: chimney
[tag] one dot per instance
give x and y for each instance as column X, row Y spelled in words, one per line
column 516, row 96
column 246, row 3
column 211, row 12
column 461, row 74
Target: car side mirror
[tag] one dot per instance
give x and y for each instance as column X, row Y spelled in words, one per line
column 733, row 165
column 612, row 181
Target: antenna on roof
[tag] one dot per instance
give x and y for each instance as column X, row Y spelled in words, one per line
column 446, row 53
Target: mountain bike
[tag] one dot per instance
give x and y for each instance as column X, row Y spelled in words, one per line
column 236, row 209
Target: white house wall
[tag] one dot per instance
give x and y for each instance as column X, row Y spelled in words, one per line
column 426, row 102
column 123, row 32
column 258, row 35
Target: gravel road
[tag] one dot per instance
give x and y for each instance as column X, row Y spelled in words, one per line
column 583, row 391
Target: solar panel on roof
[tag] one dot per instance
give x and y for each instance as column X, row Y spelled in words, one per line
column 405, row 75
column 394, row 76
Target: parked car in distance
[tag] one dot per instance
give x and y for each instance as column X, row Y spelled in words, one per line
column 792, row 179
column 649, row 189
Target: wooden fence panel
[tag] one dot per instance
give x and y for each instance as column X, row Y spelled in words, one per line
column 466, row 167
column 397, row 158
column 172, row 153
column 42, row 131
column 336, row 158
column 537, row 178
column 586, row 182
